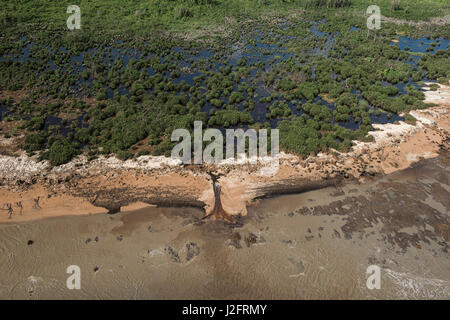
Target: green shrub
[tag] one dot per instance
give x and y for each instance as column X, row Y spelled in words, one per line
column 124, row 155
column 35, row 142
column 61, row 152
column 410, row 119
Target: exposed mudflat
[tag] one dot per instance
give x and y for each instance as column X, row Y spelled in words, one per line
column 317, row 244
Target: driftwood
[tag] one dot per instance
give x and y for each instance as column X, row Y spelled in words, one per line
column 9, row 208
column 19, row 205
column 36, row 203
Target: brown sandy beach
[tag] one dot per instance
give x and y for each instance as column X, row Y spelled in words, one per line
column 314, row 245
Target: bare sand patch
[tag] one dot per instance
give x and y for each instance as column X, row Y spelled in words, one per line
column 440, row 97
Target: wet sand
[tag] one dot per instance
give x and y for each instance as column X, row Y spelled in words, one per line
column 314, row 245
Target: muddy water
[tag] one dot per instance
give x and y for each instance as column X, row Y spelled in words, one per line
column 313, row 245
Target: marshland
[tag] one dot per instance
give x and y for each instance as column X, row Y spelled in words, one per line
column 137, row 70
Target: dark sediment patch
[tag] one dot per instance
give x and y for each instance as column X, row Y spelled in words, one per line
column 296, row 186
column 172, row 254
column 218, row 212
column 409, row 220
column 193, row 250
column 114, row 199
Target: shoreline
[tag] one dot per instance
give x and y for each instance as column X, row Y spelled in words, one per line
column 108, row 184
column 397, row 222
